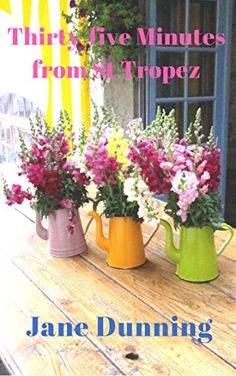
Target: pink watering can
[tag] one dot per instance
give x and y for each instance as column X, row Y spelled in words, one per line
column 60, row 242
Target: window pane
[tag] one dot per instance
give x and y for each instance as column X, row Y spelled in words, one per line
column 203, row 16
column 15, row 109
column 171, row 15
column 21, row 104
column 4, row 104
column 207, row 115
column 8, row 139
column 176, row 86
column 203, row 86
column 28, row 108
column 2, row 132
column 179, row 113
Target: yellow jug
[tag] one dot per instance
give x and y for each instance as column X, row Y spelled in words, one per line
column 124, row 245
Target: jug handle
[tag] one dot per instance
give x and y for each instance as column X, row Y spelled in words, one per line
column 228, row 240
column 40, row 230
column 151, row 235
column 88, row 225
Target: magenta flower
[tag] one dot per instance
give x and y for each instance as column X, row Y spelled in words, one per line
column 104, row 168
column 146, row 157
column 212, row 158
column 16, row 195
column 72, row 4
column 79, row 46
column 82, row 12
column 64, row 147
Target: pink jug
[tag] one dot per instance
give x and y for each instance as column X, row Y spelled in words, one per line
column 60, row 242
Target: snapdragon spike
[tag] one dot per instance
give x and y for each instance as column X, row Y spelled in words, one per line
column 56, row 181
column 149, row 162
column 16, row 195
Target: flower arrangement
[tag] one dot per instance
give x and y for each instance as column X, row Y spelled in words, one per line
column 114, row 17
column 194, row 199
column 54, row 182
column 186, row 170
column 151, row 151
column 129, row 168
column 120, row 186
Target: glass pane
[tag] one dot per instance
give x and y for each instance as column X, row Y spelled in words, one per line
column 203, row 16
column 207, row 115
column 2, row 132
column 203, row 86
column 176, row 86
column 8, row 138
column 21, row 104
column 171, row 15
column 28, row 108
column 179, row 113
column 4, row 104
column 15, row 108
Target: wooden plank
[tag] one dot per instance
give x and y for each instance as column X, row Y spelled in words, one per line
column 227, row 280
column 230, row 251
column 20, row 300
column 83, row 293
column 156, row 284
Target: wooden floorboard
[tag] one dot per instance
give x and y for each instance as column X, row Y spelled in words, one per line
column 38, row 355
column 82, row 292
column 81, row 288
column 157, row 285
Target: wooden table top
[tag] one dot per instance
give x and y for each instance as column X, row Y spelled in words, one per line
column 79, row 289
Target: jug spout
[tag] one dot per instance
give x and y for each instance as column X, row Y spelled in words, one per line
column 102, row 242
column 172, row 252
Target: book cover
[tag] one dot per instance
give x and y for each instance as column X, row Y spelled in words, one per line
column 118, row 209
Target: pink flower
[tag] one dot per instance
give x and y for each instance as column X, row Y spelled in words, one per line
column 35, row 174
column 79, row 46
column 166, row 165
column 64, row 147
column 16, row 195
column 104, row 168
column 82, row 12
column 201, row 167
column 72, row 221
column 65, row 203
column 35, row 151
column 72, row 4
column 80, row 177
column 185, row 184
column 151, row 163
column 16, row 188
column 212, row 158
column 205, row 176
column 203, row 190
column 52, row 183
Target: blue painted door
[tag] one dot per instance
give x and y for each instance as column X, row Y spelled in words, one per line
column 211, row 90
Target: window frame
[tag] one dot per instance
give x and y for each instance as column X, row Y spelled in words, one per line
column 220, row 99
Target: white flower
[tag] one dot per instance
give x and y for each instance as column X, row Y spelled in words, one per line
column 141, row 212
column 129, row 189
column 137, row 190
column 155, row 203
column 142, row 186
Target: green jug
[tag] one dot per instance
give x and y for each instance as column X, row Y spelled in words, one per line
column 196, row 257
